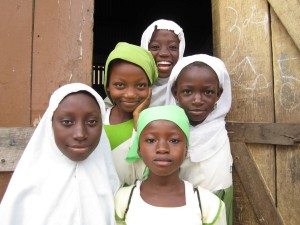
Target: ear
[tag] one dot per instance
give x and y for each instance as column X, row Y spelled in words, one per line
column 139, row 152
column 220, row 91
column 174, row 91
column 186, row 152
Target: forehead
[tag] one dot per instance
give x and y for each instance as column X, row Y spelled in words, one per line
column 196, row 72
column 82, row 99
column 164, row 34
column 128, row 73
column 162, row 126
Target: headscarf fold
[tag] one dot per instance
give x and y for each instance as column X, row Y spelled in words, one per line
column 134, row 54
column 171, row 113
column 208, row 137
column 49, row 188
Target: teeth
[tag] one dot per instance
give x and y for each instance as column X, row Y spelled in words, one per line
column 163, row 63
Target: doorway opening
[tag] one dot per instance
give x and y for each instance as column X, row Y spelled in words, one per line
column 125, row 21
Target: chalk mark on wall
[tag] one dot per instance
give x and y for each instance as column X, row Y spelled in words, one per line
column 244, row 74
column 288, row 95
column 246, row 77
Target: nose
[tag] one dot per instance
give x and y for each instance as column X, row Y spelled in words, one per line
column 80, row 132
column 162, row 147
column 130, row 92
column 198, row 98
column 164, row 52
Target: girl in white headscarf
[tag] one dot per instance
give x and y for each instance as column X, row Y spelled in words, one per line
column 200, row 84
column 66, row 174
column 165, row 40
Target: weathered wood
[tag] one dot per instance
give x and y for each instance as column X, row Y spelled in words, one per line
column 62, row 49
column 289, row 14
column 12, row 144
column 15, row 62
column 286, row 60
column 4, row 180
column 242, row 39
column 254, row 185
column 264, row 133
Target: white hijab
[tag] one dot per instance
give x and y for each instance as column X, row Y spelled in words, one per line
column 159, row 87
column 210, row 136
column 49, row 188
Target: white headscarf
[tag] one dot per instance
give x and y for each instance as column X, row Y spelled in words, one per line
column 49, row 188
column 210, row 136
column 159, row 87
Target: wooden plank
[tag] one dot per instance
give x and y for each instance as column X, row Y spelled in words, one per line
column 15, row 62
column 264, row 133
column 254, row 185
column 289, row 14
column 63, row 48
column 12, row 144
column 286, row 59
column 242, row 39
column 4, row 180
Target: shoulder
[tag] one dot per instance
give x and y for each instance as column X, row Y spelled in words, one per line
column 213, row 208
column 122, row 198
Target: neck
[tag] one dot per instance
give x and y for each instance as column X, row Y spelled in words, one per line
column 118, row 116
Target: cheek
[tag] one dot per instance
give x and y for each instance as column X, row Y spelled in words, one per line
column 143, row 94
column 96, row 136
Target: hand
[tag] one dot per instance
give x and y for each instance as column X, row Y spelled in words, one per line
column 145, row 104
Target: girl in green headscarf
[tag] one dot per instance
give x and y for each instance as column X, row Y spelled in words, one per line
column 162, row 141
column 130, row 72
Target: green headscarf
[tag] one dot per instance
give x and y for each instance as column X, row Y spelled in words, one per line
column 134, row 54
column 171, row 113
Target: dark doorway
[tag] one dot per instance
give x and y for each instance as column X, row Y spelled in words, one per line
column 117, row 20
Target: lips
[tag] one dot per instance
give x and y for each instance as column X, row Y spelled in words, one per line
column 164, row 66
column 130, row 104
column 162, row 162
column 79, row 148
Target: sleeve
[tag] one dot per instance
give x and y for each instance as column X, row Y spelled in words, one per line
column 213, row 208
column 122, row 198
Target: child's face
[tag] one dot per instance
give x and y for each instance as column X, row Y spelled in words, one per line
column 164, row 46
column 162, row 146
column 197, row 90
column 128, row 86
column 77, row 126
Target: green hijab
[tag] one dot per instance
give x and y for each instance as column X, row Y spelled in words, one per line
column 171, row 113
column 136, row 55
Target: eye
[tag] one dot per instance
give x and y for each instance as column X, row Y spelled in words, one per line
column 153, row 47
column 150, row 140
column 67, row 122
column 173, row 47
column 92, row 122
column 209, row 92
column 142, row 86
column 187, row 91
column 174, row 140
column 119, row 85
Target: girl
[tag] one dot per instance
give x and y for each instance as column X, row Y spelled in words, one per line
column 164, row 198
column 66, row 174
column 130, row 72
column 200, row 84
column 165, row 40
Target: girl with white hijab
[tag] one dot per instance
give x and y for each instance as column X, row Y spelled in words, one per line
column 209, row 160
column 163, row 56
column 55, row 183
